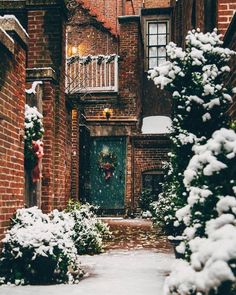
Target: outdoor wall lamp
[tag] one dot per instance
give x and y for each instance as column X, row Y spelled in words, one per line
column 107, row 113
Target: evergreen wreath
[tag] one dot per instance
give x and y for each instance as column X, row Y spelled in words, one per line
column 107, row 161
column 33, row 137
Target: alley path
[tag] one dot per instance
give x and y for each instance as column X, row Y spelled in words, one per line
column 134, row 234
column 136, row 262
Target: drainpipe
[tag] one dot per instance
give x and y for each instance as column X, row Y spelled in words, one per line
column 123, row 7
column 132, row 173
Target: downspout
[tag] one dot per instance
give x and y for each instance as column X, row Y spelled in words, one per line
column 132, row 173
column 123, row 7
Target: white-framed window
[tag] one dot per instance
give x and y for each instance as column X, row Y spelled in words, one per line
column 157, row 37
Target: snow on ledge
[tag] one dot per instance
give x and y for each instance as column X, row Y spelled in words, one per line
column 156, row 125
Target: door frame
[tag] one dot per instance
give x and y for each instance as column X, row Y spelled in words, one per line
column 122, row 211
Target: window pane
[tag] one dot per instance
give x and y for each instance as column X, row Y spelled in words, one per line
column 152, row 28
column 152, row 39
column 157, row 180
column 152, row 63
column 162, row 28
column 153, row 52
column 161, row 60
column 147, row 183
column 161, row 51
column 161, row 39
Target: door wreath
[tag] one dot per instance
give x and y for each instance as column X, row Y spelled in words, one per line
column 107, row 162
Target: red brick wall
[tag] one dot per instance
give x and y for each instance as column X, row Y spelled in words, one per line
column 49, row 145
column 226, row 10
column 112, row 9
column 46, row 28
column 130, row 67
column 85, row 33
column 68, row 155
column 127, row 105
column 12, row 106
column 149, row 154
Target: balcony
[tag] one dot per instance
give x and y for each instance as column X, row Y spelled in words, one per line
column 92, row 74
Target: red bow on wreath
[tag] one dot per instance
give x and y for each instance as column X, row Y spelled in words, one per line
column 107, row 162
column 108, row 169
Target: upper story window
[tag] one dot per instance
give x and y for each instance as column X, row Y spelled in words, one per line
column 157, row 37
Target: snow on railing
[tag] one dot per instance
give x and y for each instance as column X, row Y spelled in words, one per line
column 92, row 74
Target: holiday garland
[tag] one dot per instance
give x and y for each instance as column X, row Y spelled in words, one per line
column 33, row 149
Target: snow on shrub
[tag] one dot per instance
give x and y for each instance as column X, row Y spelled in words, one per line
column 38, row 248
column 209, row 176
column 210, row 219
column 195, row 77
column 212, row 266
column 89, row 231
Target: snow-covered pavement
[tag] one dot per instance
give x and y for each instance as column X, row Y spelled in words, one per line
column 117, row 272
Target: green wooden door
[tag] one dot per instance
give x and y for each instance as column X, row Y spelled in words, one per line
column 107, row 172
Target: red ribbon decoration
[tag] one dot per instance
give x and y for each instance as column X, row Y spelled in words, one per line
column 38, row 150
column 108, row 169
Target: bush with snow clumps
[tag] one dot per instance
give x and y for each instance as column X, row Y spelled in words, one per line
column 195, row 77
column 210, row 219
column 89, row 230
column 38, row 248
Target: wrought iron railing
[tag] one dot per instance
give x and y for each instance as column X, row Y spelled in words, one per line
column 92, row 74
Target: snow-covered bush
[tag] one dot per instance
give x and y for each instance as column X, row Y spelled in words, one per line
column 89, row 231
column 163, row 210
column 146, row 199
column 33, row 134
column 210, row 219
column 212, row 266
column 38, row 248
column 209, row 176
column 195, row 77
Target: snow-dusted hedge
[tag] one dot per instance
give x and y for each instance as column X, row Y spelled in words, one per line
column 203, row 166
column 89, row 230
column 44, row 248
column 195, row 77
column 210, row 219
column 38, row 248
column 209, row 177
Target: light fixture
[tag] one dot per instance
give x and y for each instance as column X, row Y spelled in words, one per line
column 107, row 112
column 74, row 50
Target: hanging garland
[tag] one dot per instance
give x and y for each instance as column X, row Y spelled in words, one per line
column 33, row 150
column 107, row 162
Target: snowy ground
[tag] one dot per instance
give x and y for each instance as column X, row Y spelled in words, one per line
column 136, row 272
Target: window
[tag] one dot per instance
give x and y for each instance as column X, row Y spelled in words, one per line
column 152, row 180
column 157, row 38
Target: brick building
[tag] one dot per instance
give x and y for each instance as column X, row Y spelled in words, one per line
column 135, row 34
column 101, row 108
column 32, row 48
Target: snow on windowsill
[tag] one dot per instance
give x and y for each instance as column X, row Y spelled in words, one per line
column 156, row 125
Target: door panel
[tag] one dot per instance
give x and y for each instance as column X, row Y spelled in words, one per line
column 107, row 192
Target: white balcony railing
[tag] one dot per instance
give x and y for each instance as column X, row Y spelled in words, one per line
column 92, row 74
